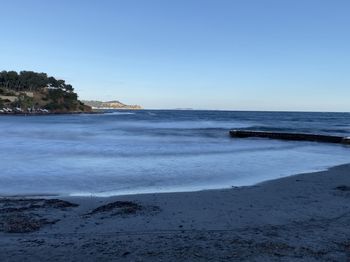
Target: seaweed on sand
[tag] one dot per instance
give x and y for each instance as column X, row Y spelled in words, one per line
column 123, row 208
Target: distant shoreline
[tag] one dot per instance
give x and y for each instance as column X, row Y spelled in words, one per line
column 95, row 111
column 50, row 113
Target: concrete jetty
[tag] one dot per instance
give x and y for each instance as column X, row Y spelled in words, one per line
column 291, row 136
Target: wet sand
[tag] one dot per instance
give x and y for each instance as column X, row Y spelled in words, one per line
column 304, row 217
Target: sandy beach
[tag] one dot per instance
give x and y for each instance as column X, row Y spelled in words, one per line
column 305, row 217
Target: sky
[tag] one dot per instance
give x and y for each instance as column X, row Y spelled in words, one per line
column 201, row 54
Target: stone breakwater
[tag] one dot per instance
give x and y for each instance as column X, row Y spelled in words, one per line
column 291, row 136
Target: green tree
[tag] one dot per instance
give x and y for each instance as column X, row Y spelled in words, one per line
column 25, row 101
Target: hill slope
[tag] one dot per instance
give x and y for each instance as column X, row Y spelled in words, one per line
column 110, row 105
column 32, row 92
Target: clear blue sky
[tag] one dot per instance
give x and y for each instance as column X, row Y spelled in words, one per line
column 218, row 54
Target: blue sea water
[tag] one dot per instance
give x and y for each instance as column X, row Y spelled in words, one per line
column 124, row 152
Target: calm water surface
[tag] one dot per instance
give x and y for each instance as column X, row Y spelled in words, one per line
column 158, row 151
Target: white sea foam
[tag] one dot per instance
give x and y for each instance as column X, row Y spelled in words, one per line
column 119, row 113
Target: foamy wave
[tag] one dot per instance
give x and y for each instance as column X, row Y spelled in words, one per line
column 120, row 113
column 186, row 124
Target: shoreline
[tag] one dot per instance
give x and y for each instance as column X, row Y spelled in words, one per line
column 93, row 112
column 302, row 217
column 104, row 195
column 107, row 195
column 49, row 114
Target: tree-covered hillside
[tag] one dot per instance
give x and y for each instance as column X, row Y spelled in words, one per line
column 30, row 91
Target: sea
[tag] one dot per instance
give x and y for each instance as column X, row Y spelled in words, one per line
column 150, row 151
